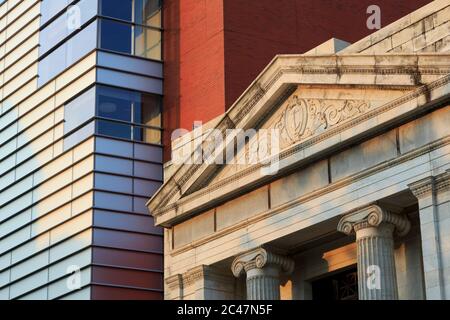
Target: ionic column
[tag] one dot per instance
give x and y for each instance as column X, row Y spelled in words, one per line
column 263, row 270
column 374, row 228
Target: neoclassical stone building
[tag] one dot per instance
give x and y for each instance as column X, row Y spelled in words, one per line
column 360, row 204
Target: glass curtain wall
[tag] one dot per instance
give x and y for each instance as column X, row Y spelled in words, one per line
column 113, row 112
column 72, row 29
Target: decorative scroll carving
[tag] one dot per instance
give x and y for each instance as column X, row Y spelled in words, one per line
column 373, row 216
column 303, row 118
column 259, row 258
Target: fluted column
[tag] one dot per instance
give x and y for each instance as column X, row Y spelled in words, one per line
column 263, row 270
column 374, row 228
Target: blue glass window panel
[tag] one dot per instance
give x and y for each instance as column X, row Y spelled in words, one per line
column 130, row 81
column 138, row 134
column 115, row 36
column 116, row 103
column 119, row 9
column 114, row 129
column 79, row 110
column 51, row 65
column 49, row 8
column 68, row 53
column 130, row 64
column 82, row 43
column 79, row 136
column 66, row 24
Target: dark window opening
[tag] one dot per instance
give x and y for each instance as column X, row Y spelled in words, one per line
column 339, row 286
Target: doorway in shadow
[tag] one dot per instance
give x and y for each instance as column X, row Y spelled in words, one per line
column 341, row 285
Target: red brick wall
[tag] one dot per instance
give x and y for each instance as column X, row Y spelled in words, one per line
column 215, row 48
column 257, row 30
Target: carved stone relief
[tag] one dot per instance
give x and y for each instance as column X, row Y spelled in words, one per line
column 303, row 118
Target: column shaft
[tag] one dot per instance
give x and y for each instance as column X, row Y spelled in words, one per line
column 374, row 228
column 376, row 266
column 263, row 284
column 263, row 270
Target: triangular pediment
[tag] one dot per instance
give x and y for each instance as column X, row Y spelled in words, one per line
column 307, row 112
column 310, row 101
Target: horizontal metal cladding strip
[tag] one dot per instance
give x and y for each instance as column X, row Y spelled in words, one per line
column 25, row 10
column 127, row 277
column 49, row 265
column 104, row 292
column 129, row 64
column 34, row 33
column 52, row 161
column 129, row 81
column 49, row 248
column 48, row 286
column 128, row 241
column 53, row 93
column 40, row 233
column 114, row 257
column 136, row 157
column 134, row 161
column 60, row 188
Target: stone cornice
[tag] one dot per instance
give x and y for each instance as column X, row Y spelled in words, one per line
column 373, row 216
column 248, row 104
column 431, row 185
column 259, row 258
column 192, row 276
column 334, row 186
column 174, row 282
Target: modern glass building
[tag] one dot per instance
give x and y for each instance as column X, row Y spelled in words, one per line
column 80, row 149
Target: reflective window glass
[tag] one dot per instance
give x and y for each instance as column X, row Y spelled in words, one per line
column 147, row 135
column 68, row 53
column 147, row 43
column 115, row 103
column 79, row 110
column 66, row 24
column 79, row 136
column 119, row 9
column 49, row 8
column 148, row 112
column 114, row 129
column 81, row 44
column 115, row 36
column 148, row 12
